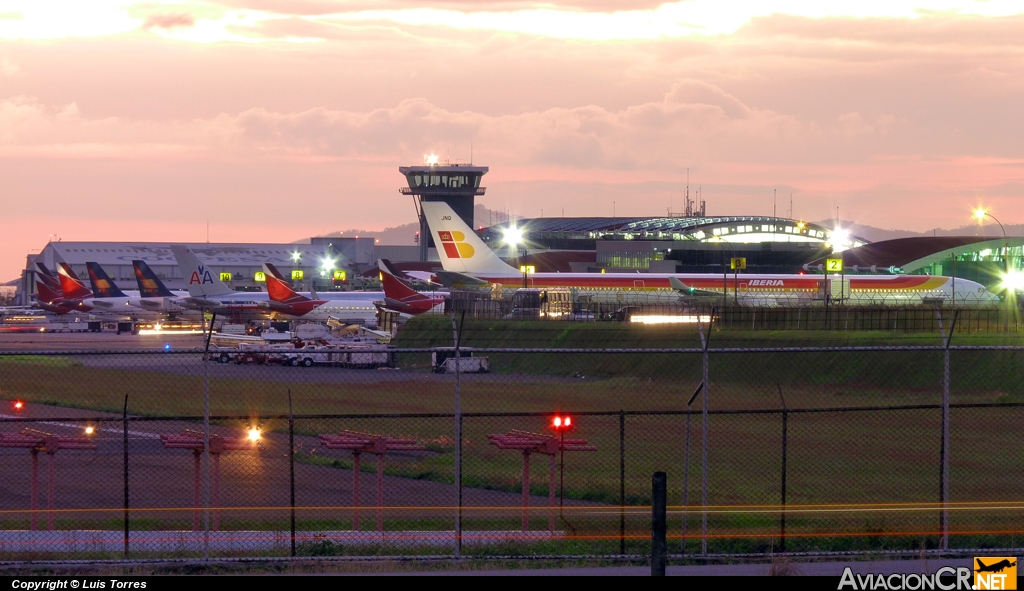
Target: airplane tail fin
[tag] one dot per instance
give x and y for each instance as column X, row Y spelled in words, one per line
column 279, row 289
column 396, row 288
column 458, row 246
column 102, row 285
column 399, row 295
column 70, row 285
column 47, row 285
column 200, row 279
column 150, row 285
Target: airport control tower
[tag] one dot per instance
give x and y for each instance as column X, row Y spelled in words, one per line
column 455, row 184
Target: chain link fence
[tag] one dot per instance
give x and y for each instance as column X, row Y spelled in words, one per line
column 768, row 449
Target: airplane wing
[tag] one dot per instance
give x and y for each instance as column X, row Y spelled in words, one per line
column 201, row 303
column 451, row 278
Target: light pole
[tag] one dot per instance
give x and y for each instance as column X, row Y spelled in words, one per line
column 514, row 237
column 980, row 214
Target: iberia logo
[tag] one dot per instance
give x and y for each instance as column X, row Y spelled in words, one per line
column 454, row 245
column 200, row 276
column 995, row 572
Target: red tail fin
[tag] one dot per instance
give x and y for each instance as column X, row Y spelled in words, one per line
column 279, row 289
column 399, row 294
column 46, row 292
column 70, row 284
column 396, row 288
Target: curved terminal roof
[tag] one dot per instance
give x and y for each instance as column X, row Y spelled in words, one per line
column 705, row 229
column 914, row 253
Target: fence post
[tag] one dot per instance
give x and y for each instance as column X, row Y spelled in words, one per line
column 124, row 423
column 622, row 482
column 291, row 465
column 457, row 330
column 704, row 451
column 206, row 441
column 686, row 468
column 785, row 441
column 659, row 545
column 944, row 446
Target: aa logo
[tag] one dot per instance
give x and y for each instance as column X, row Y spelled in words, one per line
column 200, row 276
column 995, row 572
column 454, row 245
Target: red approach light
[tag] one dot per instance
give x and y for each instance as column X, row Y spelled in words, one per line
column 561, row 423
column 18, row 405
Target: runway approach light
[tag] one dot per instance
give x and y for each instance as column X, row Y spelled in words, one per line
column 254, row 435
column 561, row 423
column 1013, row 281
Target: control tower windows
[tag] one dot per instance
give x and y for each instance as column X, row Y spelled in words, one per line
column 449, row 181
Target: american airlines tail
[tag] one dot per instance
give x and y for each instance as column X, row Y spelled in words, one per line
column 150, row 285
column 200, row 279
column 70, row 284
column 460, row 249
column 102, row 285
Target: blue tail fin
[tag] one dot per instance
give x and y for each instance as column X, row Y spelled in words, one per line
column 102, row 285
column 150, row 285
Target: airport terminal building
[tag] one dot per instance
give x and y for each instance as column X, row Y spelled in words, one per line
column 323, row 263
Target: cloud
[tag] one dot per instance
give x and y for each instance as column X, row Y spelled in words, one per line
column 168, row 21
column 8, row 67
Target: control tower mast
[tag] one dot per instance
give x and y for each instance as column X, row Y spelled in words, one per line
column 455, row 184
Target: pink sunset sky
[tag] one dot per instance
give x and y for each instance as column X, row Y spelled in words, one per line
column 280, row 119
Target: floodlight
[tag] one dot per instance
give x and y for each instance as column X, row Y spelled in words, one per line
column 839, row 237
column 513, row 236
column 1013, row 281
column 254, row 435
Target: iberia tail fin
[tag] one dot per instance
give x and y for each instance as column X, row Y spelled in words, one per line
column 458, row 246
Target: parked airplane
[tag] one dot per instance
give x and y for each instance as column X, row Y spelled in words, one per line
column 287, row 302
column 469, row 262
column 106, row 295
column 208, row 292
column 154, row 295
column 400, row 296
column 49, row 295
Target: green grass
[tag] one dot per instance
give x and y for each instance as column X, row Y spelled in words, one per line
column 6, row 360
column 839, row 458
